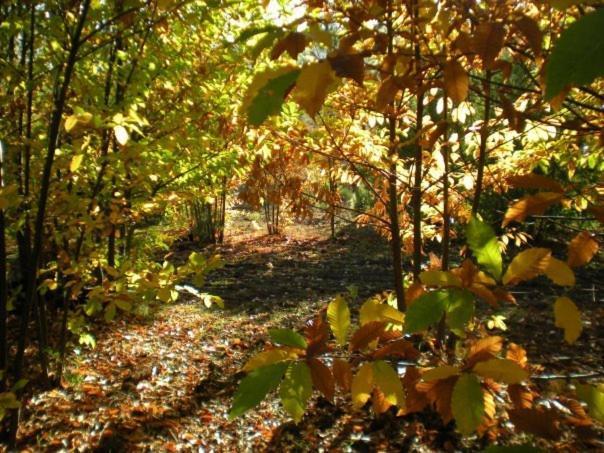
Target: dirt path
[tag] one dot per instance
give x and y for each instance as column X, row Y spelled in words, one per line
column 166, row 383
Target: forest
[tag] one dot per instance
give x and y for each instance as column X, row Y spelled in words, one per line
column 299, row 225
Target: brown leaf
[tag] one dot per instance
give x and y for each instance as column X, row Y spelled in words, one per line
column 521, row 396
column 532, row 33
column 293, row 43
column 402, row 348
column 598, row 211
column 317, row 334
column 351, row 66
column 515, row 118
column 322, row 378
column 366, row 334
column 441, row 397
column 531, row 205
column 415, row 400
column 504, row 66
column 581, row 249
column 386, row 93
column 457, row 81
column 541, row 422
column 487, row 42
column 534, row 181
column 342, row 373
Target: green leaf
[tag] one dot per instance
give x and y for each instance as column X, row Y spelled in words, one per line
column 483, row 243
column 338, row 316
column 270, row 97
column 467, row 403
column 426, row 310
column 578, row 55
column 287, row 337
column 460, row 310
column 110, row 312
column 594, row 397
column 253, row 31
column 296, row 390
column 255, row 386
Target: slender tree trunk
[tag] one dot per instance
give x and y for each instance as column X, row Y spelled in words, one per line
column 393, row 205
column 446, row 215
column 3, row 282
column 38, row 242
column 484, row 135
column 416, row 200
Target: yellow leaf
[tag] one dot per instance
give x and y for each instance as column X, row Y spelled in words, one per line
column 560, row 273
column 338, row 316
column 71, row 122
column 441, row 372
column 531, row 205
column 374, row 310
column 388, row 381
column 439, row 278
column 502, row 370
column 581, row 249
column 76, row 161
column 314, row 83
column 362, row 385
column 526, row 265
column 269, row 357
column 121, row 135
column 457, row 81
column 568, row 317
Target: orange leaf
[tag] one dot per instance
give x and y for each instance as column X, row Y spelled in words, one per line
column 379, row 402
column 581, row 249
column 413, row 292
column 517, row 354
column 322, row 378
column 366, row 334
column 484, row 349
column 485, row 294
column 521, row 396
column 534, row 181
column 530, row 205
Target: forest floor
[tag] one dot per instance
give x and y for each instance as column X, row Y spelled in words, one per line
column 166, row 382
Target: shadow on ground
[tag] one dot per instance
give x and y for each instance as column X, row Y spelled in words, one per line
column 269, row 270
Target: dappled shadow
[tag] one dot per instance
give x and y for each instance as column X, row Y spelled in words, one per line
column 269, row 270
